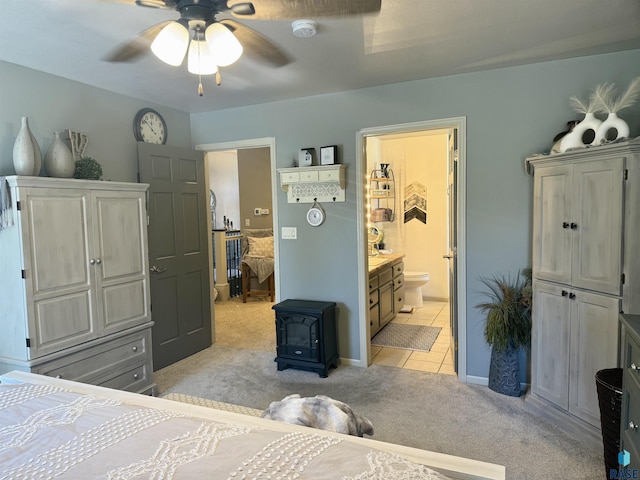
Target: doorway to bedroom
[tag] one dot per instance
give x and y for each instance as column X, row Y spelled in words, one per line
column 240, row 181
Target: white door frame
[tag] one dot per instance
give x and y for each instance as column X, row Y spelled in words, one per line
column 459, row 123
column 269, row 142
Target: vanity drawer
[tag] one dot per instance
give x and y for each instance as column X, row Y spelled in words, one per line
column 398, row 281
column 398, row 269
column 309, row 176
column 373, row 298
column 385, row 276
column 89, row 364
column 373, row 282
column 398, row 299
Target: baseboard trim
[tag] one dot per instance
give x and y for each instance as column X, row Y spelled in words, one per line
column 577, row 428
column 353, row 362
column 472, row 379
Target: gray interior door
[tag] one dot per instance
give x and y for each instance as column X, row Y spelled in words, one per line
column 178, row 251
column 452, row 253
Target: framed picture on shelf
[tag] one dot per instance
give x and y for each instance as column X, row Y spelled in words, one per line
column 329, row 155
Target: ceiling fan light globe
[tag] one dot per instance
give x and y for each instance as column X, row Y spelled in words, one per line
column 171, row 44
column 200, row 60
column 223, row 45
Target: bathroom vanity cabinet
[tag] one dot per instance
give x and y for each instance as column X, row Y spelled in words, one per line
column 585, row 201
column 386, row 292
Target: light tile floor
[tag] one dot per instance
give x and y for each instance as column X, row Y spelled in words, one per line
column 439, row 359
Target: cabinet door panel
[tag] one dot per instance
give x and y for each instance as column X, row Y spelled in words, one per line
column 551, row 220
column 598, row 209
column 62, row 321
column 386, row 303
column 58, row 240
column 594, row 346
column 56, row 232
column 550, row 343
column 122, row 272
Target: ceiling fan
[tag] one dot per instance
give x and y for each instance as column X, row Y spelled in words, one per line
column 209, row 42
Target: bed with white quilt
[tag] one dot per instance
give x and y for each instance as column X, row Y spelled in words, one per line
column 52, row 428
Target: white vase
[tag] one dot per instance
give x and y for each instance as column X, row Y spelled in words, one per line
column 58, row 161
column 27, row 159
column 583, row 134
column 612, row 122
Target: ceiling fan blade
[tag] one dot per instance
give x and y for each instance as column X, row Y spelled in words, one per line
column 255, row 45
column 287, row 9
column 138, row 46
column 148, row 3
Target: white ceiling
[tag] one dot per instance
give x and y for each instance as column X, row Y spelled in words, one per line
column 408, row 40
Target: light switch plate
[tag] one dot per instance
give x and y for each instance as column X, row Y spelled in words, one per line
column 289, row 233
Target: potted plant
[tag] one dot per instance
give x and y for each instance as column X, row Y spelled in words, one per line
column 88, row 168
column 508, row 328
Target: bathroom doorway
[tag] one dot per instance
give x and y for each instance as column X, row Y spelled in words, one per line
column 428, row 158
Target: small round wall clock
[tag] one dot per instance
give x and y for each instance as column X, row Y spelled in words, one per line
column 315, row 215
column 150, row 127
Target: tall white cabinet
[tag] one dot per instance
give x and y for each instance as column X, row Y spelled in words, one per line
column 74, row 282
column 586, row 233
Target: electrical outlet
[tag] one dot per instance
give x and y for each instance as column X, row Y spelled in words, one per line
column 247, row 222
column 289, row 233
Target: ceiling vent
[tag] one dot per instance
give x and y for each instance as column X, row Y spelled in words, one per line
column 304, row 28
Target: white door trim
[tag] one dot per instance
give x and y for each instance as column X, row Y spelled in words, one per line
column 459, row 123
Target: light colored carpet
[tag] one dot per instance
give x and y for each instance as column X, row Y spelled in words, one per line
column 409, row 337
column 248, row 325
column 407, row 407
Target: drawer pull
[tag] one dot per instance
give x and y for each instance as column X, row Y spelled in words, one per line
column 135, row 348
column 136, row 376
column 633, row 426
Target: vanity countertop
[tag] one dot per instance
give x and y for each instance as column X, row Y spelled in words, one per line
column 378, row 262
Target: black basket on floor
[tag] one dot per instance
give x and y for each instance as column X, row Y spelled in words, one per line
column 609, row 385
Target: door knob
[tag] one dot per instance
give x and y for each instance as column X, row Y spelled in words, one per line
column 449, row 257
column 155, row 269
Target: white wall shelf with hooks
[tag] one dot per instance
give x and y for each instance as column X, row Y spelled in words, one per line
column 322, row 183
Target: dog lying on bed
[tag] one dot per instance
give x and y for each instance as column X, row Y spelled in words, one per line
column 320, row 412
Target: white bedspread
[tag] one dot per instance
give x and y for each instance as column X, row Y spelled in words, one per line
column 50, row 432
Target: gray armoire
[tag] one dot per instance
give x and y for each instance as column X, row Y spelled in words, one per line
column 74, row 282
column 586, row 269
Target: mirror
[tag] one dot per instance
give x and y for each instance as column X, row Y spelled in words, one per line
column 373, row 238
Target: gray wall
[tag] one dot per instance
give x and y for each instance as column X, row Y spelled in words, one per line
column 511, row 114
column 56, row 104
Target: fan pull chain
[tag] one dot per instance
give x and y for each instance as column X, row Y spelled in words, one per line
column 200, row 88
column 218, row 78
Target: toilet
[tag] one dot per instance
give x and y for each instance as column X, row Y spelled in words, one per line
column 413, row 282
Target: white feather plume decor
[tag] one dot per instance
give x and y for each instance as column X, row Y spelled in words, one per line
column 579, row 106
column 605, row 99
column 629, row 97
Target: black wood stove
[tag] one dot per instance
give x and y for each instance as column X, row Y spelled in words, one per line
column 306, row 335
